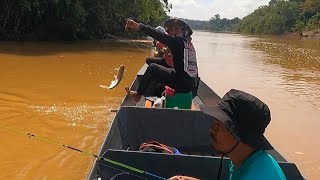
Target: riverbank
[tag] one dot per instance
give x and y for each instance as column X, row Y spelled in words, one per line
column 315, row 33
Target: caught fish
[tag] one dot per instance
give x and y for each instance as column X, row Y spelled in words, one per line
column 117, row 78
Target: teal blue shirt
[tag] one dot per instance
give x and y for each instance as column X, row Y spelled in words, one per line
column 260, row 165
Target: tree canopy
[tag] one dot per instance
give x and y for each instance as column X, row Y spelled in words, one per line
column 283, row 16
column 278, row 17
column 216, row 24
column 90, row 19
column 74, row 19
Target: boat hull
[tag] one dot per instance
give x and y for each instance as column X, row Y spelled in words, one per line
column 186, row 130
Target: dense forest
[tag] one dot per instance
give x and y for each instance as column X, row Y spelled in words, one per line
column 90, row 19
column 74, row 19
column 216, row 23
column 278, row 17
column 282, row 16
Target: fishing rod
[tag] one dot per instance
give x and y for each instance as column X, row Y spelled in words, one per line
column 118, row 164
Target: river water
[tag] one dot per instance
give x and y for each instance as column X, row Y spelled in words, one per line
column 52, row 90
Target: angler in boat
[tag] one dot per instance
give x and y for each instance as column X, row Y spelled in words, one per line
column 237, row 131
column 162, row 55
column 185, row 72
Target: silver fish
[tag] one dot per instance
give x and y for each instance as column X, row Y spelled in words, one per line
column 117, row 78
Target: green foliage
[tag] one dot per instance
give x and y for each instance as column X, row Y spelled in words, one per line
column 310, row 8
column 282, row 16
column 216, row 24
column 255, row 22
column 314, row 22
column 74, row 19
column 274, row 24
column 299, row 26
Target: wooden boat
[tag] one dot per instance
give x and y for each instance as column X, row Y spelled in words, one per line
column 186, row 130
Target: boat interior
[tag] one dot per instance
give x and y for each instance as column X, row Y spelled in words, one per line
column 186, row 130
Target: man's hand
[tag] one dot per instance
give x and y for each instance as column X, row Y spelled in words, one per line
column 182, row 178
column 131, row 24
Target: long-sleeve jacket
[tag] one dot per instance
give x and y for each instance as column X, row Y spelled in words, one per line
column 177, row 47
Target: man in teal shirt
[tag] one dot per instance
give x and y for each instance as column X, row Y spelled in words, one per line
column 237, row 131
column 260, row 165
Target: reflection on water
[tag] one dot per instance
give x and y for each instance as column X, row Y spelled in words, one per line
column 290, row 56
column 300, row 60
column 52, row 90
column 284, row 73
column 78, row 114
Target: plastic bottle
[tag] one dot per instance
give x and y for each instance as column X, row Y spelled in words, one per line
column 158, row 103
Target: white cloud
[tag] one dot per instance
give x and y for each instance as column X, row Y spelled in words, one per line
column 181, row 3
column 190, row 9
column 205, row 9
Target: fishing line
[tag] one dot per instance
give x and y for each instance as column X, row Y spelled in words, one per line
column 135, row 44
column 30, row 135
column 100, row 41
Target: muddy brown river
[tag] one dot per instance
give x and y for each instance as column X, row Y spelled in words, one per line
column 52, row 90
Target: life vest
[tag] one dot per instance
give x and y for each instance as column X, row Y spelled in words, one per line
column 167, row 56
column 190, row 59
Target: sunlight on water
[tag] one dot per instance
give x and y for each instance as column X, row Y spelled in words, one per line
column 52, row 90
column 301, row 67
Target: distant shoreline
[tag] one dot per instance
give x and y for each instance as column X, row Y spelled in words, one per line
column 315, row 33
column 227, row 32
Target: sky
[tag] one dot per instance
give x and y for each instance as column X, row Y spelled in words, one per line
column 205, row 9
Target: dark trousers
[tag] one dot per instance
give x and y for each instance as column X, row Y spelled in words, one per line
column 157, row 60
column 182, row 83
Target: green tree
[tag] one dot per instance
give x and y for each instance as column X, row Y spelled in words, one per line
column 255, row 22
column 274, row 24
column 74, row 19
column 278, row 17
column 314, row 22
column 273, row 2
column 289, row 11
column 299, row 27
column 310, row 8
column 217, row 16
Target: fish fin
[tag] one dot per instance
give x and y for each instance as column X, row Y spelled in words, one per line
column 104, row 87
